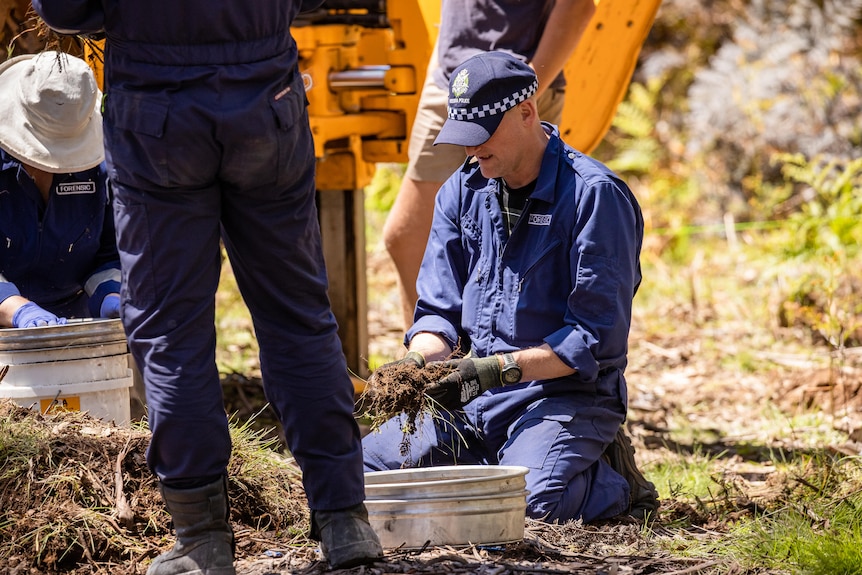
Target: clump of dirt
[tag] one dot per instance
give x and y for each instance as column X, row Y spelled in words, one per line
column 398, row 390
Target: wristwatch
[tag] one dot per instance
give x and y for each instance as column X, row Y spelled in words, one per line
column 511, row 372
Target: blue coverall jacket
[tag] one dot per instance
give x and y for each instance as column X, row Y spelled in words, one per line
column 207, row 139
column 565, row 277
column 61, row 255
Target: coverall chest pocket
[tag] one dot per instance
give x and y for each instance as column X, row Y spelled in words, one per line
column 471, row 239
column 78, row 252
column 477, row 265
column 16, row 252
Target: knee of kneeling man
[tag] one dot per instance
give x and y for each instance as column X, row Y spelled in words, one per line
column 546, row 507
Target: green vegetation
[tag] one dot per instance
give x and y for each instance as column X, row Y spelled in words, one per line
column 813, row 529
column 266, row 504
column 750, row 178
column 237, row 350
column 683, row 477
column 19, row 443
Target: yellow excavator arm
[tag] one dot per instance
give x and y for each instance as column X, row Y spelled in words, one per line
column 599, row 71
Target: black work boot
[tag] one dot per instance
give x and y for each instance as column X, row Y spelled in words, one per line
column 644, row 497
column 205, row 544
column 346, row 538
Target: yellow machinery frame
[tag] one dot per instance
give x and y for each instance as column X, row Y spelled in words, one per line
column 363, row 84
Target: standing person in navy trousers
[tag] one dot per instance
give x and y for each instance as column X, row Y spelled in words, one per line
column 207, row 139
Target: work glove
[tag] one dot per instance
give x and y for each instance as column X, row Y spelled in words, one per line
column 110, row 306
column 372, row 385
column 31, row 315
column 413, row 357
column 470, row 378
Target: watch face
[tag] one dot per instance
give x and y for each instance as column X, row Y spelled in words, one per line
column 512, row 375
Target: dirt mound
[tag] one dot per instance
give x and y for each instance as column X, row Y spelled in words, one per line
column 73, row 490
column 76, row 492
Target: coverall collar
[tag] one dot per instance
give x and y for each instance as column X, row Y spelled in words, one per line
column 546, row 184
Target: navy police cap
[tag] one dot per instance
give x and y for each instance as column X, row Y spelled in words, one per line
column 480, row 90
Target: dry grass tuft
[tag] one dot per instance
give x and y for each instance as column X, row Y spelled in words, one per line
column 76, row 491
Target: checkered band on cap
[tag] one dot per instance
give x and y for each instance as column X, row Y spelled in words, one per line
column 486, row 110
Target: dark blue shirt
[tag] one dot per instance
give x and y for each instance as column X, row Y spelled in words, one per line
column 468, row 27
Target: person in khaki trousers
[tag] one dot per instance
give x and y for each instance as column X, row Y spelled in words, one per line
column 543, row 33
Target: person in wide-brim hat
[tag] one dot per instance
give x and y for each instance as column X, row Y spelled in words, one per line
column 49, row 112
column 59, row 256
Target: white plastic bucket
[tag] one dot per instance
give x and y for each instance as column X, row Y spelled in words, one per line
column 81, row 366
column 451, row 505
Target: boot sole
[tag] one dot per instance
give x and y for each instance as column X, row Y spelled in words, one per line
column 361, row 553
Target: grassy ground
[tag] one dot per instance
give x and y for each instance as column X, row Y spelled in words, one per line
column 744, row 414
column 743, row 408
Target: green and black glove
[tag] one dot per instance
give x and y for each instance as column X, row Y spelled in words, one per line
column 471, row 378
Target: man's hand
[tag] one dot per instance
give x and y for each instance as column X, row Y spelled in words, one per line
column 470, row 379
column 31, row 315
column 110, row 306
column 412, row 358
